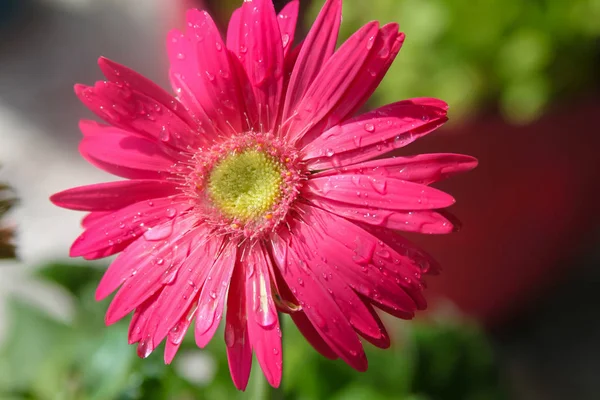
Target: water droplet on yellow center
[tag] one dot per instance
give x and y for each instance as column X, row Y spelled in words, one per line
column 245, row 185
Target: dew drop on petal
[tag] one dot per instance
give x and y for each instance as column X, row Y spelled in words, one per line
column 369, row 127
column 229, row 335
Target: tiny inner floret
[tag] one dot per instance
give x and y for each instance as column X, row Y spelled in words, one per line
column 246, row 185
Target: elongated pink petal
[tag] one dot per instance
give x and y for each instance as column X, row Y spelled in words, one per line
column 425, row 264
column 221, row 98
column 110, row 196
column 92, row 217
column 135, row 257
column 383, row 341
column 177, row 333
column 346, row 299
column 157, row 266
column 177, row 297
column 384, row 51
column 423, row 168
column 378, row 192
column 136, row 112
column 374, row 133
column 422, row 221
column 129, row 223
column 312, row 336
column 234, row 30
column 239, row 350
column 212, row 297
column 287, row 19
column 137, row 325
column 261, row 53
column 320, row 308
column 123, row 75
column 318, row 47
column 263, row 323
column 372, row 268
column 332, row 280
column 332, row 82
column 120, row 153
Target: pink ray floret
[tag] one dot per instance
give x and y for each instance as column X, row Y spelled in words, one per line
column 255, row 190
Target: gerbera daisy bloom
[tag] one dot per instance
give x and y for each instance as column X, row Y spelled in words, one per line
column 253, row 190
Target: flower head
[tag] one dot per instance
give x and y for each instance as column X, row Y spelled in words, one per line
column 254, row 190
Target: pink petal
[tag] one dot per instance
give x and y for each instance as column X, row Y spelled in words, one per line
column 374, row 133
column 123, row 154
column 140, row 317
column 129, row 223
column 178, row 296
column 212, row 297
column 384, row 51
column 261, row 53
column 425, row 264
column 136, row 112
column 378, row 192
column 322, row 311
column 330, row 85
column 332, row 280
column 151, row 265
column 234, row 30
column 120, row 74
column 177, row 333
column 134, row 257
column 215, row 79
column 110, row 196
column 92, row 217
column 263, row 324
column 312, row 336
column 318, row 47
column 383, row 342
column 423, row 168
column 424, row 221
column 287, row 19
column 239, row 350
column 371, row 267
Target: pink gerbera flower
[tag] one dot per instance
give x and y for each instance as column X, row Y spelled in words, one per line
column 254, row 191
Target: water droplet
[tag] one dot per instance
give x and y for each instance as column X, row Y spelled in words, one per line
column 180, row 56
column 159, row 233
column 370, row 42
column 171, row 212
column 369, row 127
column 145, row 347
column 384, row 52
column 210, row 76
column 219, row 46
column 229, row 335
column 300, row 282
column 164, row 134
column 243, row 49
column 160, row 261
column 285, row 40
column 275, row 351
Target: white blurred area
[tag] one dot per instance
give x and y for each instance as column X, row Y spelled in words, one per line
column 47, row 47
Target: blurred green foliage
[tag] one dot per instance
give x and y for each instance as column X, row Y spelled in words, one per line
column 45, row 359
column 513, row 54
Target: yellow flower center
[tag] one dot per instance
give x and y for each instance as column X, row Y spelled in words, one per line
column 245, row 185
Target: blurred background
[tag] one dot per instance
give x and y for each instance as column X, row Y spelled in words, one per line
column 514, row 315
